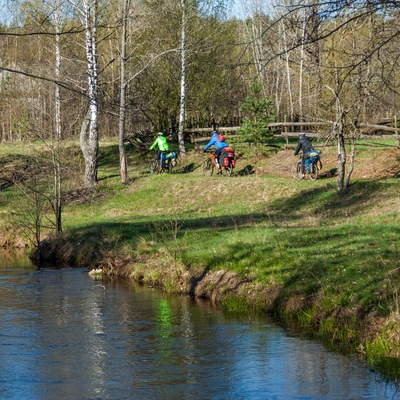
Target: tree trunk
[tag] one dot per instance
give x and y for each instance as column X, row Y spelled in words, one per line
column 303, row 34
column 341, row 148
column 123, row 84
column 352, row 158
column 56, row 152
column 89, row 152
column 89, row 136
column 289, row 84
column 181, row 138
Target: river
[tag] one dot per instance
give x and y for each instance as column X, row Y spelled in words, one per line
column 65, row 335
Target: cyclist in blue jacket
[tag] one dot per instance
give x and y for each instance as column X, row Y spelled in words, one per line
column 218, row 141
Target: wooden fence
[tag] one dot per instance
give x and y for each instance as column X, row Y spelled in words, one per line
column 293, row 129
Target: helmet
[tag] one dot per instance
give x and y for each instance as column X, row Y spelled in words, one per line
column 160, row 134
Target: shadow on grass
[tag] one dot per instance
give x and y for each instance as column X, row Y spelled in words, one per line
column 328, row 174
column 109, row 157
column 247, row 170
column 5, row 183
column 331, row 203
column 323, row 202
column 188, row 168
column 109, row 176
column 350, row 264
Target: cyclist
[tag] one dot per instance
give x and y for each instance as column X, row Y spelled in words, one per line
column 305, row 145
column 218, row 141
column 163, row 148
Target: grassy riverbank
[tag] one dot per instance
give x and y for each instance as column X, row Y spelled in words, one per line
column 297, row 249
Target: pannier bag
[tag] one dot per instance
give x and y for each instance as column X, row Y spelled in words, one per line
column 171, row 156
column 228, row 155
column 307, row 164
column 313, row 157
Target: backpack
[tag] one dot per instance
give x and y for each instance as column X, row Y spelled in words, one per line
column 220, row 138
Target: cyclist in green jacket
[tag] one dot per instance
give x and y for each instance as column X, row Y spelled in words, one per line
column 163, row 148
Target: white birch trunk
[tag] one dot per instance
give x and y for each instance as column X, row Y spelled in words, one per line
column 56, row 152
column 181, row 138
column 303, row 33
column 123, row 84
column 90, row 139
column 288, row 76
column 341, row 147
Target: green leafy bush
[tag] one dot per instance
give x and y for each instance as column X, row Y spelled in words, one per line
column 259, row 113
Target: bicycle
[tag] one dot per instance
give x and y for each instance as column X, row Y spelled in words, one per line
column 170, row 162
column 312, row 165
column 208, row 166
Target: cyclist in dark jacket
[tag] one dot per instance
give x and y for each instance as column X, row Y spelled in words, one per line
column 305, row 145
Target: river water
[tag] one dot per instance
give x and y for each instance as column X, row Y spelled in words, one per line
column 67, row 336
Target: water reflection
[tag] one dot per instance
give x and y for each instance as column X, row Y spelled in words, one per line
column 14, row 259
column 66, row 336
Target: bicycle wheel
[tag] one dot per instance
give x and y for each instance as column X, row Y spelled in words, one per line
column 296, row 170
column 227, row 171
column 314, row 172
column 171, row 167
column 207, row 168
column 153, row 167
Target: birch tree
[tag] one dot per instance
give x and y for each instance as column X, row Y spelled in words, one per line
column 182, row 102
column 287, row 69
column 56, row 152
column 201, row 7
column 89, row 135
column 90, row 139
column 122, row 105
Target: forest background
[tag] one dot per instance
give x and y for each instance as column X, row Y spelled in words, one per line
column 172, row 65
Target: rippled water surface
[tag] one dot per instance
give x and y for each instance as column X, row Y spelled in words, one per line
column 66, row 336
